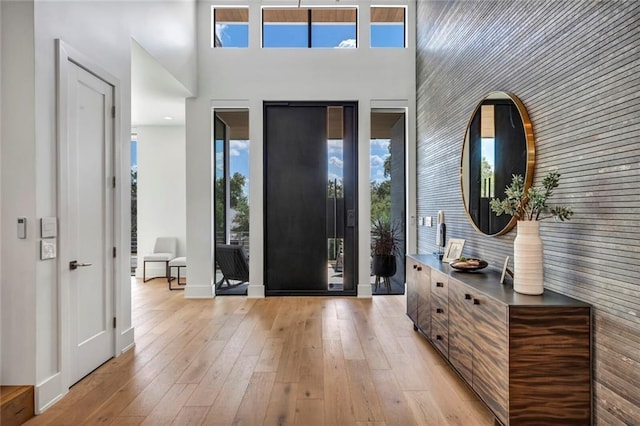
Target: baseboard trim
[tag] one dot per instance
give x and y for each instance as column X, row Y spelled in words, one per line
column 49, row 392
column 127, row 340
column 364, row 291
column 255, row 291
column 199, row 292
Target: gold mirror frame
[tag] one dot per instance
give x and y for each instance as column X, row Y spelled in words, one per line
column 530, row 155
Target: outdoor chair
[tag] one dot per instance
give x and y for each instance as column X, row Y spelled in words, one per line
column 233, row 264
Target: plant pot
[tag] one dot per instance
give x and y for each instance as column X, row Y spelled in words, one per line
column 528, row 258
column 383, row 265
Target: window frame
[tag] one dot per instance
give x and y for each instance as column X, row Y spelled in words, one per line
column 309, row 25
column 213, row 37
column 404, row 26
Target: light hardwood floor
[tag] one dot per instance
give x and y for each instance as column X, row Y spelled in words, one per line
column 274, row 361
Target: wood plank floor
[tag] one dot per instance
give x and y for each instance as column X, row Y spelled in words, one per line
column 274, row 361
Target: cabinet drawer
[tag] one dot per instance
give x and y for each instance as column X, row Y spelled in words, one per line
column 439, row 286
column 440, row 313
column 440, row 334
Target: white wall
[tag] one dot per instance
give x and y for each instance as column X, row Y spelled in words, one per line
column 18, row 183
column 254, row 75
column 0, row 187
column 102, row 31
column 161, row 190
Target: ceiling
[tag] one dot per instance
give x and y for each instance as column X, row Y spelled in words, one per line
column 155, row 93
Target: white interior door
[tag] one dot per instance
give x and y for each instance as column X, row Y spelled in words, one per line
column 90, row 221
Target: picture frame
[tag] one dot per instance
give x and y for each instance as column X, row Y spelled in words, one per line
column 504, row 270
column 453, row 250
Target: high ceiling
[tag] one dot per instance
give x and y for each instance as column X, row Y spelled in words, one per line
column 155, row 93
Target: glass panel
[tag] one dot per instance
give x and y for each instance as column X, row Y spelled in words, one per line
column 335, row 198
column 333, row 35
column 219, row 196
column 387, row 154
column 380, row 179
column 329, row 27
column 239, row 192
column 134, row 203
column 388, row 26
column 285, row 27
column 334, row 28
column 231, row 27
column 487, row 189
column 231, row 188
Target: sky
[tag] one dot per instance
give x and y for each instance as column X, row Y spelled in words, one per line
column 323, row 35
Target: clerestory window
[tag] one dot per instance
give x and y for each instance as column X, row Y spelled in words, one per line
column 230, row 27
column 388, row 26
column 309, row 27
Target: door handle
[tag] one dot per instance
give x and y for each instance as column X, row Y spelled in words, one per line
column 73, row 265
column 351, row 218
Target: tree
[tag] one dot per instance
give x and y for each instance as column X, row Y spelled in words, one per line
column 381, row 193
column 335, row 188
column 238, row 202
column 380, row 200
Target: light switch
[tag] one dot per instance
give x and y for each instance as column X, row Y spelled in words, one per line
column 22, row 228
column 427, row 221
column 48, row 249
column 48, row 227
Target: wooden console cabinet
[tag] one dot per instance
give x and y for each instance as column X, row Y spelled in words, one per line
column 528, row 358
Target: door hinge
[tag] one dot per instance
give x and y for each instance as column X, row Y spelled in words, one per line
column 114, row 322
column 113, row 112
column 114, row 252
column 113, row 182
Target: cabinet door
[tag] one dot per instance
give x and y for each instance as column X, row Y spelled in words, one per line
column 461, row 329
column 490, row 373
column 424, row 298
column 440, row 311
column 412, row 290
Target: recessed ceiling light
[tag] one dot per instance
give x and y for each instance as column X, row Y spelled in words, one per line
column 168, row 118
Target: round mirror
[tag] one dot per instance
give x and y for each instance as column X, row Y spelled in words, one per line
column 498, row 144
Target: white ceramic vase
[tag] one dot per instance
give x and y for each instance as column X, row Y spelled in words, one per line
column 527, row 259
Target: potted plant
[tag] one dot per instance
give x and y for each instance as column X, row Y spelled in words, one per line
column 529, row 208
column 385, row 245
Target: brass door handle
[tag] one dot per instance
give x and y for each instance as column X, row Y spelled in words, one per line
column 73, row 265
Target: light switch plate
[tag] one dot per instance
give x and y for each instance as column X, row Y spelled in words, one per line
column 48, row 249
column 428, row 221
column 48, row 227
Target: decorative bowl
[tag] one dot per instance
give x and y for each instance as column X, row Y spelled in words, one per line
column 468, row 264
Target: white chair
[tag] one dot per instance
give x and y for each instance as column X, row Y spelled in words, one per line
column 178, row 262
column 163, row 251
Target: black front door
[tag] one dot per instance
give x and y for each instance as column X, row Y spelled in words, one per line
column 310, row 198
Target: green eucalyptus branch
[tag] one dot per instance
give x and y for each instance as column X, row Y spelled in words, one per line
column 532, row 203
